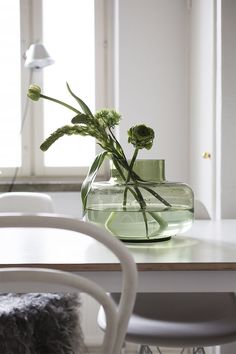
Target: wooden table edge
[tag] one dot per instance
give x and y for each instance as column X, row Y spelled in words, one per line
column 80, row 267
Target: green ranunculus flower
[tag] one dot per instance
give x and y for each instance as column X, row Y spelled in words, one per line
column 141, row 136
column 108, row 117
column 34, row 92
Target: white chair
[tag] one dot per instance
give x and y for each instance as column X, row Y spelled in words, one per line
column 26, row 202
column 200, row 211
column 195, row 320
column 44, row 280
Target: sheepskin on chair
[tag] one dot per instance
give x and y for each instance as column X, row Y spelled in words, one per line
column 40, row 324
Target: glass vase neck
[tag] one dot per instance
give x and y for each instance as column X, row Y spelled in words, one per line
column 147, row 170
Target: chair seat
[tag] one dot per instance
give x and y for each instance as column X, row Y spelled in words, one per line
column 181, row 319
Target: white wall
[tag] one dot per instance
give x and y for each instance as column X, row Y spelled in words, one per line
column 228, row 182
column 153, row 78
column 202, row 102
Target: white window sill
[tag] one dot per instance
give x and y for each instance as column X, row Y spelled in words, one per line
column 30, row 185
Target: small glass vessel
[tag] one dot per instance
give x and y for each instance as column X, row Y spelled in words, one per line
column 167, row 209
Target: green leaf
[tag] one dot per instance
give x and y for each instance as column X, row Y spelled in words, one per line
column 86, row 186
column 81, row 103
column 80, row 119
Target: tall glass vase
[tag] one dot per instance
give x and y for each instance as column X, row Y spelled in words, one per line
column 166, row 208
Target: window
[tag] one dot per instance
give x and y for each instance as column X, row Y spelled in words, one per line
column 74, row 53
column 73, row 34
column 10, row 68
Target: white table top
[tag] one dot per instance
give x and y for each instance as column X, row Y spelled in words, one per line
column 202, row 259
column 209, row 245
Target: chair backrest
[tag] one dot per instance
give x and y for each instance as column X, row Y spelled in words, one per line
column 44, row 280
column 200, row 211
column 26, row 202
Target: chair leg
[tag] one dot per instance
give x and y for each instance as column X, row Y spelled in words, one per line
column 144, row 349
column 159, row 350
column 123, row 349
column 196, row 350
column 199, row 350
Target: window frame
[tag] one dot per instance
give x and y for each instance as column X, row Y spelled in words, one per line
column 32, row 133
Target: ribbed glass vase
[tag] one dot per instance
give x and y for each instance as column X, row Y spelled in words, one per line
column 167, row 209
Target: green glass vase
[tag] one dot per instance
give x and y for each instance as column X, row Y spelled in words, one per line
column 115, row 205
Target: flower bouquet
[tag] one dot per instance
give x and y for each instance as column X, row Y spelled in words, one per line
column 101, row 126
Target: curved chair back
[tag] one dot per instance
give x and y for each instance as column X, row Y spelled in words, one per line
column 200, row 211
column 26, row 280
column 26, row 202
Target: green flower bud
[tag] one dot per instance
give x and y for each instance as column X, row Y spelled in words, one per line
column 65, row 130
column 34, row 92
column 108, row 118
column 141, row 136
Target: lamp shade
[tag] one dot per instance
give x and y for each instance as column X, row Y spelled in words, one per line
column 37, row 57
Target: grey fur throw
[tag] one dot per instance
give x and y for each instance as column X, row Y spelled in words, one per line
column 40, row 324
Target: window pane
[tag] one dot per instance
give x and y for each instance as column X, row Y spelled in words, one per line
column 10, row 108
column 68, row 32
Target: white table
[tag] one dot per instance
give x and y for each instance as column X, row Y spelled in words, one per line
column 203, row 259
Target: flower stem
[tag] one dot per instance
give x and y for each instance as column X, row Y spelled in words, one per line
column 129, row 175
column 136, row 193
column 117, row 166
column 132, row 164
column 60, row 102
